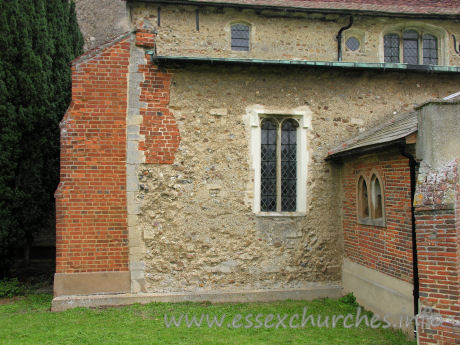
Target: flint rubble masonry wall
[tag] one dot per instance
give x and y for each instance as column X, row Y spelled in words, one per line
column 277, row 35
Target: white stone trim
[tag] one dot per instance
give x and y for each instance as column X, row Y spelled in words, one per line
column 308, row 293
column 303, row 115
column 134, row 158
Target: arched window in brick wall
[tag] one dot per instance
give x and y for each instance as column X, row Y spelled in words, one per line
column 363, row 199
column 370, row 201
column 376, row 198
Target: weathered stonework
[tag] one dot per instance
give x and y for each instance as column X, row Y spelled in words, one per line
column 134, row 157
column 101, row 20
column 196, row 216
column 281, row 36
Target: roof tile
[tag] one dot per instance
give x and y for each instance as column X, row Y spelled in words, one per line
column 387, row 132
column 446, row 7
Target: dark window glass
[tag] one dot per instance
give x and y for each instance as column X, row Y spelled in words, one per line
column 240, row 37
column 363, row 199
column 410, row 47
column 430, row 50
column 268, row 165
column 288, row 165
column 391, row 48
column 352, row 43
column 377, row 200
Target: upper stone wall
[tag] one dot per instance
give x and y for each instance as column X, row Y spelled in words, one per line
column 101, row 20
column 276, row 35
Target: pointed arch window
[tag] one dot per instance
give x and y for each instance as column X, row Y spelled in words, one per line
column 376, row 198
column 363, row 199
column 370, row 201
column 278, row 149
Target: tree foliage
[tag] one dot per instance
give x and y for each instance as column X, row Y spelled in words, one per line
column 38, row 40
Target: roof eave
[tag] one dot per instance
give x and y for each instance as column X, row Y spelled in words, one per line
column 365, row 149
column 307, row 10
column 305, row 63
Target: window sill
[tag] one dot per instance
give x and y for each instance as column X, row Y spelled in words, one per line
column 374, row 222
column 280, row 214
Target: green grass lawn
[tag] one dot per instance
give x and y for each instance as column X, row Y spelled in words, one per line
column 28, row 320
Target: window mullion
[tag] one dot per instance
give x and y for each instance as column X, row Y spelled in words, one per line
column 420, row 49
column 278, row 168
column 370, row 202
column 401, row 49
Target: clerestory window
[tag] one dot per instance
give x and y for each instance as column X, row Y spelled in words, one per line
column 411, row 47
column 240, row 37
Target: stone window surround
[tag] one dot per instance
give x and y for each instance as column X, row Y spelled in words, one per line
column 303, row 116
column 360, row 35
column 371, row 220
column 422, row 29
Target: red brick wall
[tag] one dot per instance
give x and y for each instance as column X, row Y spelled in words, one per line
column 386, row 249
column 159, row 126
column 91, row 232
column 437, row 215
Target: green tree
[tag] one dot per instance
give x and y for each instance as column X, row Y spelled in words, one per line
column 39, row 39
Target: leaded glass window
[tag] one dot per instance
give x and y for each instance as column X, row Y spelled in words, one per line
column 268, row 165
column 288, row 165
column 278, row 165
column 240, row 37
column 414, row 48
column 391, row 47
column 352, row 43
column 430, row 50
column 410, row 47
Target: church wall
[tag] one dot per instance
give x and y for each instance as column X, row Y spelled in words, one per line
column 284, row 36
column 171, row 146
column 196, row 215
